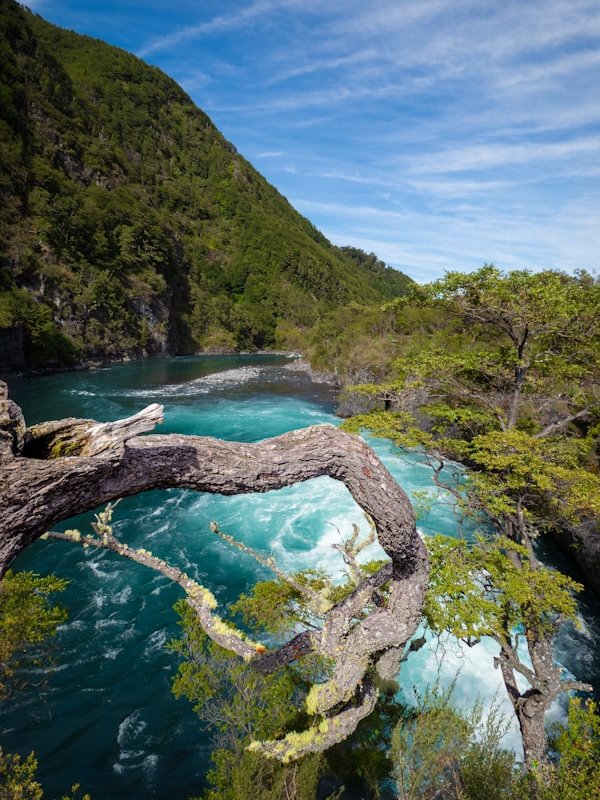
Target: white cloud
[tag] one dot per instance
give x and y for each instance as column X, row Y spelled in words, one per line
column 348, row 210
column 216, row 25
column 547, row 71
column 485, row 156
column 270, row 154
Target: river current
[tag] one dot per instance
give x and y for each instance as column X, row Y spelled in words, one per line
column 103, row 714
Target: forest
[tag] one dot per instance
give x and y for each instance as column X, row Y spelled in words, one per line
column 153, row 221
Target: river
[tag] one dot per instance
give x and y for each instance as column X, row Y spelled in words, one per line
column 102, row 714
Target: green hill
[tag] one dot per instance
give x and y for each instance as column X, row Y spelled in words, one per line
column 130, row 226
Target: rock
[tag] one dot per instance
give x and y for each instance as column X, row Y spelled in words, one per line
column 316, row 377
column 582, row 543
column 12, row 426
column 352, row 403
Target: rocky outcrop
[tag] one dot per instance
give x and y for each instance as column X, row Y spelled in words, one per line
column 12, row 426
column 352, row 402
column 582, row 543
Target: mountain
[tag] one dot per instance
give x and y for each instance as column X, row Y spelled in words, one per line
column 130, row 226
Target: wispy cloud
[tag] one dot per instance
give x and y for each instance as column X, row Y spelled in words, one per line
column 438, row 133
column 322, row 65
column 348, row 210
column 486, row 156
column 551, row 69
column 218, row 24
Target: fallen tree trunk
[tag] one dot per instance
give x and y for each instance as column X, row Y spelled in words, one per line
column 60, row 469
column 36, row 493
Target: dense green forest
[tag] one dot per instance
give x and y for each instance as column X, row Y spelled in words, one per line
column 130, row 226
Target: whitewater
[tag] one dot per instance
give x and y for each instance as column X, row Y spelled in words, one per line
column 102, row 713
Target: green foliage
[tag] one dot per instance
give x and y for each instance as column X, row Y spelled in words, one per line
column 276, row 607
column 124, row 204
column 27, row 620
column 516, row 338
column 479, row 591
column 356, row 341
column 550, row 472
column 399, row 426
column 439, row 753
column 575, row 775
column 239, row 705
column 252, row 777
column 18, row 780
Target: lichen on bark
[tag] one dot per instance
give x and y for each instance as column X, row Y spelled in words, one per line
column 111, row 460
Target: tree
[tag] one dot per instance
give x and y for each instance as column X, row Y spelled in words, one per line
column 508, row 396
column 493, row 589
column 27, row 620
column 18, row 780
column 525, row 344
column 54, row 470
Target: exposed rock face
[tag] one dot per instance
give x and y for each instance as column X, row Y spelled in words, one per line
column 582, row 543
column 352, row 403
column 12, row 426
column 330, row 378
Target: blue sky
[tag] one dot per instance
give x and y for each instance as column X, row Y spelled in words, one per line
column 439, row 134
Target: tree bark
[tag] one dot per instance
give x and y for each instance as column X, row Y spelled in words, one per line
column 36, row 493
column 106, row 461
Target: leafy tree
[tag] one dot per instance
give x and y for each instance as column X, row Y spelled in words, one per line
column 505, row 397
column 493, row 589
column 18, row 780
column 27, row 620
column 523, row 339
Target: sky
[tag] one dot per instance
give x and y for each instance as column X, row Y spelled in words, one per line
column 439, row 134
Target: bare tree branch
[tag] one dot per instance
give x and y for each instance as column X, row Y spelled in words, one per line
column 585, row 413
column 72, row 466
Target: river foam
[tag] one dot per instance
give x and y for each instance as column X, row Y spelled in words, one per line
column 105, row 713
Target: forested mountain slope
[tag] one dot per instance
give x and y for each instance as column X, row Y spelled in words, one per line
column 130, row 226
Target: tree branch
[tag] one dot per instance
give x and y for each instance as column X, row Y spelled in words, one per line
column 107, row 461
column 585, row 413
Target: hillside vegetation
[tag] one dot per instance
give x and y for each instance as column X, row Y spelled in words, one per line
column 130, row 226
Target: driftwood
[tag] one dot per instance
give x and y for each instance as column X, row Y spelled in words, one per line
column 53, row 471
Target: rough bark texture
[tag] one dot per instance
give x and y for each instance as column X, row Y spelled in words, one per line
column 106, row 461
column 545, row 685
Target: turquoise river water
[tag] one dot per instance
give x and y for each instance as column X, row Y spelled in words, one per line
column 103, row 715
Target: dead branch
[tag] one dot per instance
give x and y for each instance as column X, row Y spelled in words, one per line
column 72, row 466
